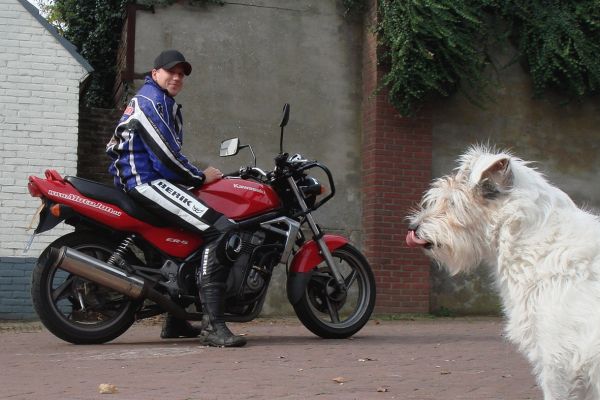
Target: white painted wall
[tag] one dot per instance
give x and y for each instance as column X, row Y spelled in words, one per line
column 39, row 107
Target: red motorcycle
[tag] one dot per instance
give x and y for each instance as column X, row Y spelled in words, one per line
column 122, row 263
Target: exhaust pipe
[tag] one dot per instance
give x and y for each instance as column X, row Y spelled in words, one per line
column 92, row 269
column 104, row 274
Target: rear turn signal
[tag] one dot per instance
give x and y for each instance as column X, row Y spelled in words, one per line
column 55, row 210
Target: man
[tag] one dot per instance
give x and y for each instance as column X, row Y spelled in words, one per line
column 149, row 166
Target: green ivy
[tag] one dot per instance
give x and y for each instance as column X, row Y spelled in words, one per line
column 354, row 6
column 430, row 47
column 436, row 47
column 94, row 27
column 559, row 42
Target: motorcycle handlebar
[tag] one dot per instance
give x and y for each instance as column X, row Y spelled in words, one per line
column 253, row 172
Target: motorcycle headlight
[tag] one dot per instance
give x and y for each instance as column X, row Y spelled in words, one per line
column 311, row 188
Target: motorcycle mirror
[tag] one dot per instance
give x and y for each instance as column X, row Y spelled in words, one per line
column 284, row 121
column 229, row 147
column 286, row 115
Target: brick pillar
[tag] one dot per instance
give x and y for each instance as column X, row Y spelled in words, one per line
column 396, row 171
column 96, row 126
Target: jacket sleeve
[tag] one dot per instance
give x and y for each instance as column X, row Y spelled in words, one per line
column 162, row 145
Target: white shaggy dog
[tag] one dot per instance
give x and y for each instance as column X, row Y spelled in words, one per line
column 546, row 256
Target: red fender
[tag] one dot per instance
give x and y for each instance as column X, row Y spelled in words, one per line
column 309, row 255
column 305, row 260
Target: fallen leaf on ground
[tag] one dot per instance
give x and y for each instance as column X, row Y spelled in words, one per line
column 340, row 379
column 107, row 388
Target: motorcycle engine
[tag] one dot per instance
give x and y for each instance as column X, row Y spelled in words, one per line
column 246, row 276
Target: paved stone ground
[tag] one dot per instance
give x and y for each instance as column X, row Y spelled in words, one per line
column 423, row 359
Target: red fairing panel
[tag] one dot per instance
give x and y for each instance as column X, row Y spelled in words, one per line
column 309, row 255
column 238, row 198
column 175, row 242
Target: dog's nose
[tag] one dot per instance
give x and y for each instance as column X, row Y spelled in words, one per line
column 413, row 227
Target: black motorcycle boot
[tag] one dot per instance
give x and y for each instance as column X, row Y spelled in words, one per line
column 212, row 278
column 214, row 330
column 178, row 328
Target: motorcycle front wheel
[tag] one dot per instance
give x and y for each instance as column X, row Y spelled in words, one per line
column 332, row 314
column 74, row 309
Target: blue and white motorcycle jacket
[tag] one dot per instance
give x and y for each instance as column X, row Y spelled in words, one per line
column 147, row 142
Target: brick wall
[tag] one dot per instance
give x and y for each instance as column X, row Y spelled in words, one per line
column 15, row 287
column 39, row 101
column 96, row 126
column 396, row 170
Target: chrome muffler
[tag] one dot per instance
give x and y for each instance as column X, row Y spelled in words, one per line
column 106, row 275
column 97, row 271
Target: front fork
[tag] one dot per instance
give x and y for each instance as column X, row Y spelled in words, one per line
column 318, row 237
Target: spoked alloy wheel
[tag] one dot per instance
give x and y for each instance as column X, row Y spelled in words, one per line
column 330, row 313
column 75, row 309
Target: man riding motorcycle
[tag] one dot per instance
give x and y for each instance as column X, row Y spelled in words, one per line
column 149, row 166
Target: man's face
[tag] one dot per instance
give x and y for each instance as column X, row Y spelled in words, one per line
column 170, row 80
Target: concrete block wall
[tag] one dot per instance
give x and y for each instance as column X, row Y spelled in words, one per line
column 39, row 101
column 247, row 62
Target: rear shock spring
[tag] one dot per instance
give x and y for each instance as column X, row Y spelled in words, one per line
column 118, row 256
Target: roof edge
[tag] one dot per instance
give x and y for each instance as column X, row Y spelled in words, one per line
column 70, row 47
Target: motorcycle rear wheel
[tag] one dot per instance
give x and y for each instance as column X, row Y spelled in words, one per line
column 333, row 315
column 74, row 309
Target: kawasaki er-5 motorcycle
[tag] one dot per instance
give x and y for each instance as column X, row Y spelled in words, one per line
column 122, row 263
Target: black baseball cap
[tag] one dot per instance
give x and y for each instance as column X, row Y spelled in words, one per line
column 170, row 58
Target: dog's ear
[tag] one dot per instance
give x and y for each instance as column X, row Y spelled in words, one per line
column 494, row 177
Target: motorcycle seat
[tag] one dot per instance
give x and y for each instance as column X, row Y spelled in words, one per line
column 114, row 196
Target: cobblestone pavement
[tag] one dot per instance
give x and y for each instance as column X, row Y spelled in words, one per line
column 418, row 359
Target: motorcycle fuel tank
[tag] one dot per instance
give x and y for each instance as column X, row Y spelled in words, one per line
column 238, row 198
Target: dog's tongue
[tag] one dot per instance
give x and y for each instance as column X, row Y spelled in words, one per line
column 413, row 240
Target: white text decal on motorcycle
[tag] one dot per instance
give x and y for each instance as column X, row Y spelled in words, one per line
column 85, row 202
column 175, row 240
column 235, row 185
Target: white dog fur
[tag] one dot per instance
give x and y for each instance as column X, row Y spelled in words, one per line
column 545, row 252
